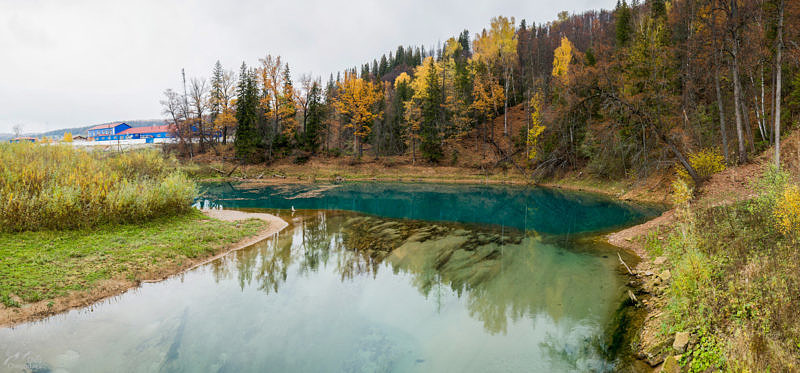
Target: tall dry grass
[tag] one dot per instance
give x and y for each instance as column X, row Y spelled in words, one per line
column 60, row 187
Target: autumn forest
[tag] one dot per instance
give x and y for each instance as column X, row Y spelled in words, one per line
column 619, row 92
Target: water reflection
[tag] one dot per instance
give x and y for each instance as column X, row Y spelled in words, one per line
column 504, row 277
column 343, row 291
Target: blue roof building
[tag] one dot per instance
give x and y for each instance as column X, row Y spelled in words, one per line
column 106, row 131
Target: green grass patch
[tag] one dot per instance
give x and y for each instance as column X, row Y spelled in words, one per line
column 46, row 264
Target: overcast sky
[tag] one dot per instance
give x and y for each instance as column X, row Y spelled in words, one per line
column 75, row 63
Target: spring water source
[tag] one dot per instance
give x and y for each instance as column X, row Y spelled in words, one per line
column 368, row 277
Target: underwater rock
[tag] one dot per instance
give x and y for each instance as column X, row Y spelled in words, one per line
column 419, row 236
column 374, row 352
column 460, row 256
column 38, row 367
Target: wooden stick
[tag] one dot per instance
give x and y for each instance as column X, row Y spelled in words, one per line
column 633, row 297
column 623, row 263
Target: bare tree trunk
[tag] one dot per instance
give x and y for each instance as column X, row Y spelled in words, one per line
column 778, row 51
column 763, row 109
column 355, row 145
column 527, row 124
column 737, row 103
column 747, row 127
column 759, row 115
column 505, row 109
column 186, row 112
column 413, row 150
column 722, row 128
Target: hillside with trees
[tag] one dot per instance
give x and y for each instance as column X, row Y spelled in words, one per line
column 618, row 93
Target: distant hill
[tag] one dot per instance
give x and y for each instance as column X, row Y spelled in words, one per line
column 84, row 130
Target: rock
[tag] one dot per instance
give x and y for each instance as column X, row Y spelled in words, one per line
column 648, row 273
column 681, row 340
column 665, row 276
column 660, row 260
column 670, row 365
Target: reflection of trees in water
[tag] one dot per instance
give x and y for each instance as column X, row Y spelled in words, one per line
column 267, row 262
column 315, row 243
column 318, row 242
column 505, row 280
column 503, row 276
column 273, row 268
column 579, row 349
column 355, row 263
column 309, row 245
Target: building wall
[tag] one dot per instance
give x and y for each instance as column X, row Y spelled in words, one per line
column 133, row 136
column 108, row 131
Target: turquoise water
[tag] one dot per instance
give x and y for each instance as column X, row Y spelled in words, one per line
column 544, row 210
column 344, row 291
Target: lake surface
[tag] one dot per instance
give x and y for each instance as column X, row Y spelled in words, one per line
column 368, row 277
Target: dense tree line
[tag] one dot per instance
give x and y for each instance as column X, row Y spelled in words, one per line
column 619, row 92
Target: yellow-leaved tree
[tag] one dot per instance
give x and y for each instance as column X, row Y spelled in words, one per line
column 562, row 59
column 488, row 95
column 420, row 84
column 67, row 137
column 226, row 120
column 403, row 78
column 271, row 81
column 455, row 71
column 536, row 127
column 497, row 48
column 287, row 108
column 357, row 102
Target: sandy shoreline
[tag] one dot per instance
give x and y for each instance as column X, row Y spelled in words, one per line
column 10, row 317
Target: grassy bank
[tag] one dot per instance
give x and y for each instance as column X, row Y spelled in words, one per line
column 60, row 187
column 44, row 265
column 735, row 280
column 77, row 226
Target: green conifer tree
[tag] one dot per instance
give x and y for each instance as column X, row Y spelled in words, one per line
column 430, row 141
column 247, row 111
column 624, row 24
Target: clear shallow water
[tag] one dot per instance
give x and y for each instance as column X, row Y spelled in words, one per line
column 343, row 291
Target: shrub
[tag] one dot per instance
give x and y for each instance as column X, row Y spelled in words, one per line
column 707, row 356
column 787, row 211
column 705, row 162
column 60, row 187
column 681, row 192
column 302, row 158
